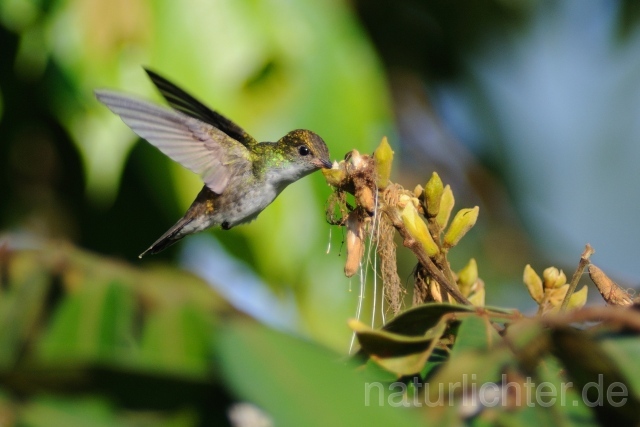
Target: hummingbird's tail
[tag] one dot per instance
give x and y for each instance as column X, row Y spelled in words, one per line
column 197, row 218
column 169, row 238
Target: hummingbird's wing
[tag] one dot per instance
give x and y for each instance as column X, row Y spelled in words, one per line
column 196, row 145
column 187, row 104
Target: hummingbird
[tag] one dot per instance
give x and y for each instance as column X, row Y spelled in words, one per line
column 241, row 175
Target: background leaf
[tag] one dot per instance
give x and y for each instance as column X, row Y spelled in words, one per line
column 298, row 383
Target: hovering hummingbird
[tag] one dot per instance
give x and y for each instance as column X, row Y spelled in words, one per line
column 241, row 175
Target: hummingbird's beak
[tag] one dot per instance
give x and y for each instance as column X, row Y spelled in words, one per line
column 324, row 164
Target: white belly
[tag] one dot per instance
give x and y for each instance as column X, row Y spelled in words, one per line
column 247, row 207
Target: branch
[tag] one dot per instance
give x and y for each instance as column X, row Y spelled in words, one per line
column 620, row 316
column 584, row 261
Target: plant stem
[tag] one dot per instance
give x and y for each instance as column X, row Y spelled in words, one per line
column 584, row 261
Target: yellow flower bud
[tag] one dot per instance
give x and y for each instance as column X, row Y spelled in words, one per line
column 434, row 289
column 477, row 296
column 553, row 278
column 403, row 200
column 433, row 194
column 461, row 224
column 578, row 299
column 556, row 295
column 418, row 190
column 467, row 277
column 446, row 206
column 418, row 229
column 335, row 175
column 534, row 284
column 383, row 157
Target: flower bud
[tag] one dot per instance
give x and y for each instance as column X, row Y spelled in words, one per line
column 416, row 203
column 578, row 299
column 461, row 224
column 434, row 289
column 383, row 157
column 355, row 244
column 418, row 190
column 477, row 296
column 467, row 277
column 418, row 229
column 553, row 278
column 403, row 200
column 433, row 194
column 555, row 298
column 364, row 198
column 446, row 206
column 335, row 175
column 534, row 284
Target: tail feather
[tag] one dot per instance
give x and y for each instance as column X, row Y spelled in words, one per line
column 167, row 239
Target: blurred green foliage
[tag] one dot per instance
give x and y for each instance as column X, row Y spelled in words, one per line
column 89, row 341
column 73, row 170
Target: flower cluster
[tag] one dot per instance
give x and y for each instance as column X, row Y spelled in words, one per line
column 550, row 291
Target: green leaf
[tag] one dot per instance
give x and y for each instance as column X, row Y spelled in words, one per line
column 93, row 411
column 95, row 323
column 178, row 339
column 57, row 412
column 468, row 370
column 437, row 358
column 21, row 307
column 396, row 353
column 475, row 333
column 624, row 351
column 417, row 320
column 387, row 344
column 298, row 383
column 595, row 372
column 525, row 417
column 570, row 408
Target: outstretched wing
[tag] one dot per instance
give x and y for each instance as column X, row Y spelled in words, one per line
column 196, row 145
column 187, row 104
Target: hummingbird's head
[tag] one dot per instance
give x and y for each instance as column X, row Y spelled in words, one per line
column 306, row 150
column 299, row 153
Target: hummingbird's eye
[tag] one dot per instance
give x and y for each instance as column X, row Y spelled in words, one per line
column 304, row 150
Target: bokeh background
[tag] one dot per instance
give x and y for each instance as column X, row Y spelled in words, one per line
column 529, row 109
